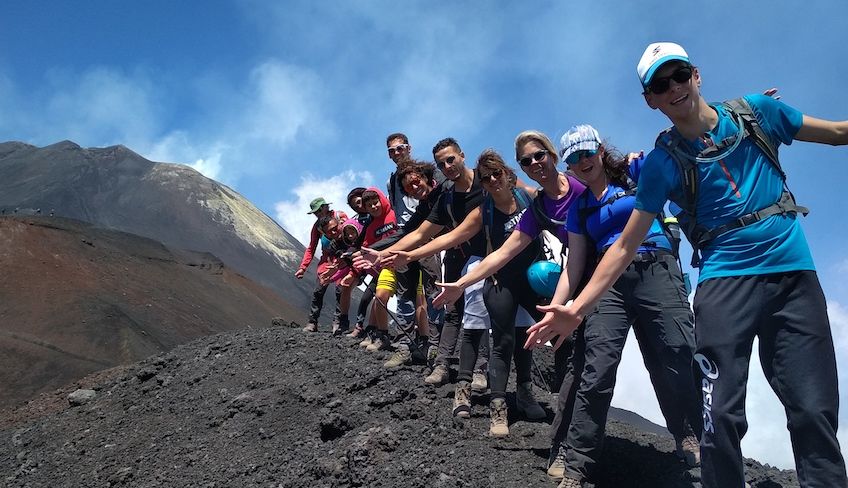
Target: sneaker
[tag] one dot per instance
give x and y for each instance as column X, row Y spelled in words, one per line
column 499, row 426
column 358, row 332
column 568, row 482
column 311, row 327
column 439, row 376
column 556, row 470
column 462, row 400
column 401, row 356
column 688, row 449
column 479, row 382
column 381, row 342
column 527, row 404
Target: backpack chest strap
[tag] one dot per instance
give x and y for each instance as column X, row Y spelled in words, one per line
column 785, row 205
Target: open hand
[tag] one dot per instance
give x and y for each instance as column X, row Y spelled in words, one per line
column 559, row 320
column 366, row 258
column 450, row 293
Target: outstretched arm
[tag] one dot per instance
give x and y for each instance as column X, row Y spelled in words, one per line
column 616, row 259
column 514, row 244
column 823, row 131
column 469, row 227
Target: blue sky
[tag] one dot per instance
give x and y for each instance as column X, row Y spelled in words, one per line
column 286, row 101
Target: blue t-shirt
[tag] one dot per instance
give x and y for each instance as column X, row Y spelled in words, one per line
column 743, row 182
column 605, row 223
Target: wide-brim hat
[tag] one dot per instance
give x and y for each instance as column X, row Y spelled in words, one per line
column 315, row 205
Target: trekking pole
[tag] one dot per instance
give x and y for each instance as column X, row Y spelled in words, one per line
column 412, row 340
column 542, row 376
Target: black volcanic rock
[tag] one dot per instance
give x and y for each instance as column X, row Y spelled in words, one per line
column 114, row 187
column 278, row 408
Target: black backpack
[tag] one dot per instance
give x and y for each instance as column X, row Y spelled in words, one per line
column 673, row 143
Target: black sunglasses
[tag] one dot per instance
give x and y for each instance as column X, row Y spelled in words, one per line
column 661, row 85
column 496, row 174
column 448, row 160
column 536, row 156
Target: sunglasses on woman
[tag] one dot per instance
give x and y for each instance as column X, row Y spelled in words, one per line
column 576, row 156
column 659, row 86
column 537, row 156
column 494, row 175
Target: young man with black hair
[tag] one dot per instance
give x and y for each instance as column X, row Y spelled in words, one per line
column 757, row 277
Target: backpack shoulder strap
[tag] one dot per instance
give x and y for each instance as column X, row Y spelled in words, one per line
column 741, row 108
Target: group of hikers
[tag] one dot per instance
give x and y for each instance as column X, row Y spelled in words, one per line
column 462, row 251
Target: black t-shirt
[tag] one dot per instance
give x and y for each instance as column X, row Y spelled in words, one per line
column 500, row 228
column 461, row 204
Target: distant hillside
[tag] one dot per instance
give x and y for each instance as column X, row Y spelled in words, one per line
column 76, row 299
column 116, row 188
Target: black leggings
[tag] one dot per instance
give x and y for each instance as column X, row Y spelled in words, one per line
column 508, row 341
column 365, row 301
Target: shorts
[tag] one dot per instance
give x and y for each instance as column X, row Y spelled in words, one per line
column 387, row 281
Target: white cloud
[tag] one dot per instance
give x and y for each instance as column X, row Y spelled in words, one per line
column 842, row 266
column 291, row 214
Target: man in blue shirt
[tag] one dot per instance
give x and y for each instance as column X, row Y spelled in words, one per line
column 756, row 280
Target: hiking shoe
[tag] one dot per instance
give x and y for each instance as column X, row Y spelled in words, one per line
column 439, row 376
column 479, row 382
column 556, row 470
column 499, row 425
column 381, row 342
column 339, row 329
column 688, row 449
column 401, row 356
column 568, row 482
column 527, row 404
column 311, row 327
column 462, row 400
column 358, row 332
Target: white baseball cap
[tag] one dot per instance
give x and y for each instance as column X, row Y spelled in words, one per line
column 655, row 56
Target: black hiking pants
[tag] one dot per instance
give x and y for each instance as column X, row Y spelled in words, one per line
column 318, row 304
column 502, row 300
column 788, row 313
column 650, row 296
column 365, row 302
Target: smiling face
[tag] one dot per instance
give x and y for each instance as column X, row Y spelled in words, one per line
column 372, row 206
column 680, row 99
column 332, row 229
column 589, row 165
column 416, row 186
column 398, row 149
column 451, row 161
column 542, row 164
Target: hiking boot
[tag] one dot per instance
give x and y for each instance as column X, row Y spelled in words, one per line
column 311, row 327
column 688, row 449
column 340, row 328
column 401, row 356
column 568, row 482
column 380, row 343
column 462, row 400
column 556, row 470
column 370, row 335
column 499, row 426
column 358, row 332
column 479, row 382
column 527, row 404
column 439, row 376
